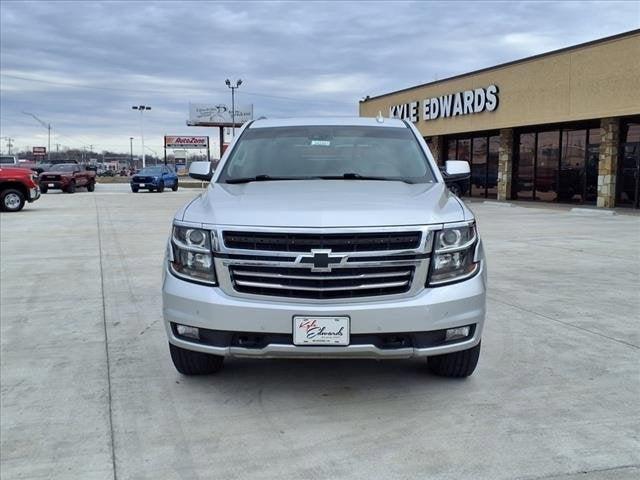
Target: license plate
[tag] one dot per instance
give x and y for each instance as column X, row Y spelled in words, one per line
column 142, row 184
column 321, row 330
column 52, row 185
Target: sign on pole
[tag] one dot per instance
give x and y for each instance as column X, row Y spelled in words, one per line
column 39, row 151
column 218, row 115
column 174, row 141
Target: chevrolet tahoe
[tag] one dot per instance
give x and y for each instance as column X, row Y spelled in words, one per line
column 325, row 238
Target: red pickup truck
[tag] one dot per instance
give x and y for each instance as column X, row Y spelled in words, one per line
column 17, row 186
column 67, row 177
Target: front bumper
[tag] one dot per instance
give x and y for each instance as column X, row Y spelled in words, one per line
column 34, row 194
column 54, row 184
column 153, row 184
column 438, row 308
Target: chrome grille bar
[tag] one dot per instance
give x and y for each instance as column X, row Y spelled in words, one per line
column 370, row 286
column 240, row 273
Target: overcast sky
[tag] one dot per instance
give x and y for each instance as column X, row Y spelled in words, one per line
column 81, row 65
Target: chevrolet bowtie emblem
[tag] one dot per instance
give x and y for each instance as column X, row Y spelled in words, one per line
column 321, row 260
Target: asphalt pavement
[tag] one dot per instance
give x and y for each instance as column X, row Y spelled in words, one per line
column 88, row 390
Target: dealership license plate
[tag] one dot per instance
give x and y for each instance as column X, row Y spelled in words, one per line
column 321, row 331
column 141, row 185
column 52, row 185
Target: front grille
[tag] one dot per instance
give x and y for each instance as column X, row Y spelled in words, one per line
column 339, row 283
column 51, row 177
column 142, row 179
column 337, row 242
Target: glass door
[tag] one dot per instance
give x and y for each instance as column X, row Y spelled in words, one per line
column 628, row 182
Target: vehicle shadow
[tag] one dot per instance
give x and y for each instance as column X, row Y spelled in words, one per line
column 321, row 377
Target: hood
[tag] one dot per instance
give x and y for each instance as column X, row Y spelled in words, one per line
column 324, row 203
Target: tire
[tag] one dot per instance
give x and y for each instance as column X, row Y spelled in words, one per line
column 456, row 364
column 134, row 189
column 161, row 187
column 91, row 186
column 11, row 200
column 175, row 187
column 188, row 362
column 71, row 188
column 44, row 189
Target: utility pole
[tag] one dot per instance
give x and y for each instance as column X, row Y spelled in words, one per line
column 48, row 127
column 228, row 83
column 131, row 151
column 142, row 108
column 9, row 143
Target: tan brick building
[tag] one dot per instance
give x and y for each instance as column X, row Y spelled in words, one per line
column 563, row 126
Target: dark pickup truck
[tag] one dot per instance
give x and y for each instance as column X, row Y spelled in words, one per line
column 67, row 177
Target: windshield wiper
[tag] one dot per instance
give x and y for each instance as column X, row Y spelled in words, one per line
column 260, row 178
column 357, row 176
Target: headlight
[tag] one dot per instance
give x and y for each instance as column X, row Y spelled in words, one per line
column 453, row 256
column 192, row 257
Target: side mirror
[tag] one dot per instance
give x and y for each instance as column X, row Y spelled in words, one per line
column 201, row 171
column 457, row 167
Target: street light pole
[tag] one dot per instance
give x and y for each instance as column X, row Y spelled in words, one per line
column 48, row 127
column 142, row 108
column 228, row 83
column 131, row 151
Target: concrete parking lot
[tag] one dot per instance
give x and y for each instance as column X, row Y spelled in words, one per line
column 89, row 391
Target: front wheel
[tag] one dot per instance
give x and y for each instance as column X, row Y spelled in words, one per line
column 44, row 189
column 456, row 364
column 12, row 200
column 71, row 188
column 134, row 189
column 91, row 186
column 161, row 187
column 188, row 362
column 175, row 187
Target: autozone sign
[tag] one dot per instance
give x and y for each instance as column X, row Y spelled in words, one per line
column 39, row 151
column 185, row 142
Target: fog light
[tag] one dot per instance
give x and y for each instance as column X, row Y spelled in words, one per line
column 185, row 331
column 457, row 333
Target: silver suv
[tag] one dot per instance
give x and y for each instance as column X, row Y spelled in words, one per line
column 325, row 238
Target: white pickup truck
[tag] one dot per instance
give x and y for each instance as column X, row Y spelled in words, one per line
column 325, row 238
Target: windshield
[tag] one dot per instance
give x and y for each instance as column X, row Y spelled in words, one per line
column 150, row 171
column 349, row 152
column 64, row 167
column 5, row 160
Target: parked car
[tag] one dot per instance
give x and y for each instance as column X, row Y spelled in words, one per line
column 8, row 160
column 17, row 186
column 67, row 177
column 155, row 179
column 321, row 239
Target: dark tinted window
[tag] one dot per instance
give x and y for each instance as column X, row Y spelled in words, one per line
column 65, row 167
column 492, row 166
column 526, row 158
column 547, row 166
column 150, row 171
column 572, row 165
column 479, row 167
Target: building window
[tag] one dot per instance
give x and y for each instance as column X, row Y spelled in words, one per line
column 558, row 165
column 546, row 171
column 526, row 163
column 481, row 151
column 628, row 180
